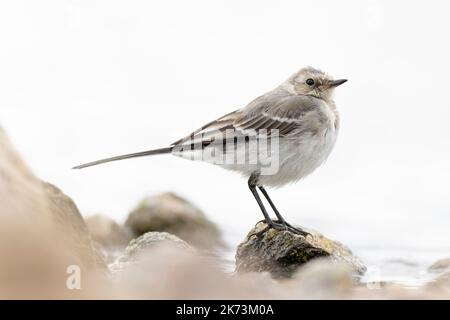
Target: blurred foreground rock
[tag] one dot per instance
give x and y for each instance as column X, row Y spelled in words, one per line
column 443, row 283
column 170, row 271
column 41, row 232
column 325, row 276
column 281, row 252
column 28, row 202
column 173, row 214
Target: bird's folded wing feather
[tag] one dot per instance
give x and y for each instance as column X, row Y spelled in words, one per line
column 285, row 113
column 206, row 132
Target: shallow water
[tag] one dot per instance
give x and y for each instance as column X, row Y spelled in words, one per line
column 404, row 266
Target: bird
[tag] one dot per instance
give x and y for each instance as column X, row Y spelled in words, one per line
column 299, row 123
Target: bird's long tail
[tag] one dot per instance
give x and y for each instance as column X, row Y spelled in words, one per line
column 126, row 156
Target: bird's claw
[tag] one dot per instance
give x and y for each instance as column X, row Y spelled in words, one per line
column 280, row 226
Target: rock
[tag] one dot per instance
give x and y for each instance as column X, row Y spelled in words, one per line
column 282, row 252
column 33, row 208
column 171, row 272
column 173, row 214
column 443, row 281
column 150, row 240
column 440, row 265
column 110, row 238
column 107, row 232
column 68, row 219
column 323, row 278
column 138, row 248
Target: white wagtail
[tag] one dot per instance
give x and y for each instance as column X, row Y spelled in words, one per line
column 300, row 113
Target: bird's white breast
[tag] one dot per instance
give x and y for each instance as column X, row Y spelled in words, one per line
column 302, row 155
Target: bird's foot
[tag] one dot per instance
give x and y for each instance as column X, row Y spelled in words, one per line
column 263, row 220
column 291, row 228
column 259, row 233
column 271, row 225
column 281, row 226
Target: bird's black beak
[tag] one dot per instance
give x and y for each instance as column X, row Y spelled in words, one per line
column 335, row 83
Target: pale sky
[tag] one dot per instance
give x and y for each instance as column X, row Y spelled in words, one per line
column 81, row 80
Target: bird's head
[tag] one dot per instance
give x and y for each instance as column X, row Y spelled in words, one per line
column 313, row 82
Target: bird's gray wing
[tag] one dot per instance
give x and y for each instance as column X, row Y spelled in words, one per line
column 286, row 113
column 206, row 133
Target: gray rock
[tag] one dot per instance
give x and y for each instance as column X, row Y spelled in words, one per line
column 440, row 265
column 324, row 277
column 173, row 214
column 107, row 232
column 139, row 246
column 282, row 252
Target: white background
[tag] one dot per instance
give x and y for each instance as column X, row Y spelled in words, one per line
column 81, row 80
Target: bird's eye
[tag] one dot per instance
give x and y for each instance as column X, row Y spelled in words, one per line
column 310, row 82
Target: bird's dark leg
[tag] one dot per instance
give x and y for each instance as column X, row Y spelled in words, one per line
column 277, row 213
column 270, row 223
column 280, row 217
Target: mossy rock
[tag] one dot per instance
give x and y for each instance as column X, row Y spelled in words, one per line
column 282, row 252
